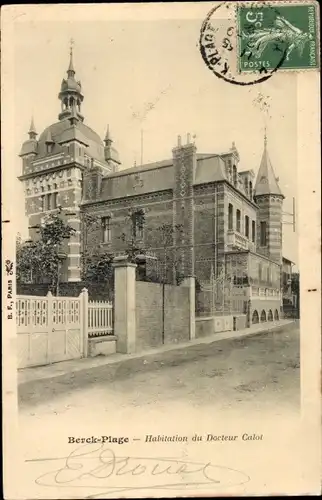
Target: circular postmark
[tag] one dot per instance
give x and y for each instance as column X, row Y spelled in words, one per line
column 222, row 44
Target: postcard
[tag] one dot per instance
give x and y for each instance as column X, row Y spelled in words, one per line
column 161, row 250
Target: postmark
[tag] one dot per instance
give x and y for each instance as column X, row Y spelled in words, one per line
column 233, row 49
column 267, row 31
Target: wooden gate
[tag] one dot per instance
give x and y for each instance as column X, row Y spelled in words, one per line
column 49, row 329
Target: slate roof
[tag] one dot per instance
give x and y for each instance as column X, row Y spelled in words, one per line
column 266, row 182
column 158, row 176
column 61, row 131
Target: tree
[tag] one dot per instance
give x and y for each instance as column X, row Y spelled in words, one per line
column 170, row 261
column 39, row 260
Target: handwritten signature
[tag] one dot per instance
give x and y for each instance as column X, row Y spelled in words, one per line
column 96, row 467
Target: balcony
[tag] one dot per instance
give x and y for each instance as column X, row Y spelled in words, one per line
column 237, row 241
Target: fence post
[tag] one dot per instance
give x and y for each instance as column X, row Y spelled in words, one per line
column 50, row 330
column 84, row 320
column 191, row 283
column 124, row 305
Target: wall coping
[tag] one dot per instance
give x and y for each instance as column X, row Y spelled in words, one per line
column 122, row 261
column 105, row 338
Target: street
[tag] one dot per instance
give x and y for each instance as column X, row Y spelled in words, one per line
column 254, row 373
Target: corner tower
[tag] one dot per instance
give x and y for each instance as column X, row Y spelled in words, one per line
column 269, row 199
column 54, row 167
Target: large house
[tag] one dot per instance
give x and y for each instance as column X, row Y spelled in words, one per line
column 203, row 216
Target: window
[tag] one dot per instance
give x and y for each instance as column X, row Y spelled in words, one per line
column 238, row 220
column 268, row 276
column 263, row 241
column 54, row 200
column 138, row 229
column 230, row 217
column 49, row 201
column 138, row 221
column 43, row 206
column 253, row 231
column 247, row 226
column 260, row 272
column 251, row 190
column 246, row 185
column 106, row 223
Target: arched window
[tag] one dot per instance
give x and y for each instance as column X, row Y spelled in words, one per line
column 246, row 226
column 238, row 220
column 230, row 216
column 71, row 102
column 263, row 316
column 255, row 317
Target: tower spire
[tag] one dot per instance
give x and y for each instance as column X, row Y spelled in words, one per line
column 70, row 93
column 32, row 129
column 266, row 182
column 108, row 140
column 71, row 70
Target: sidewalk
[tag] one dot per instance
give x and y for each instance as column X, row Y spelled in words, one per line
column 28, row 375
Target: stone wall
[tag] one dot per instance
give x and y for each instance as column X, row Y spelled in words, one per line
column 148, row 315
column 176, row 318
column 162, row 314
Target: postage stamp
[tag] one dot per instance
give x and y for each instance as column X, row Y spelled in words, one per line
column 245, row 43
column 268, row 34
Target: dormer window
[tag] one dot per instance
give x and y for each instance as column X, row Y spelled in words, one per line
column 251, row 190
column 235, row 175
column 246, row 186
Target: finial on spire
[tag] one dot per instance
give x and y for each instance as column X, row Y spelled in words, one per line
column 265, row 136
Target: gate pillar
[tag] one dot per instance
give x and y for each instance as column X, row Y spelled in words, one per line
column 124, row 305
column 190, row 282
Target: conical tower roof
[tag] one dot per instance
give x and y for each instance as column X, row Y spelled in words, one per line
column 71, row 63
column 108, row 138
column 32, row 128
column 266, row 182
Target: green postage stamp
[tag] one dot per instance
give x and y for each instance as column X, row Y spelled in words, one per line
column 277, row 35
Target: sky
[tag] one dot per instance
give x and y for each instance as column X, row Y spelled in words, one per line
column 146, row 73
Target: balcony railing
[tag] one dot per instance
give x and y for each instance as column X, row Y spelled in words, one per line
column 264, row 292
column 237, row 240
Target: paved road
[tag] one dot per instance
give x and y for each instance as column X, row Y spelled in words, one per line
column 256, row 373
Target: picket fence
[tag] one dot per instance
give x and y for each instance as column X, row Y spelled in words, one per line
column 51, row 329
column 100, row 318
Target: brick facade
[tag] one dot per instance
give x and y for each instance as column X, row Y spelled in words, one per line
column 198, row 208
